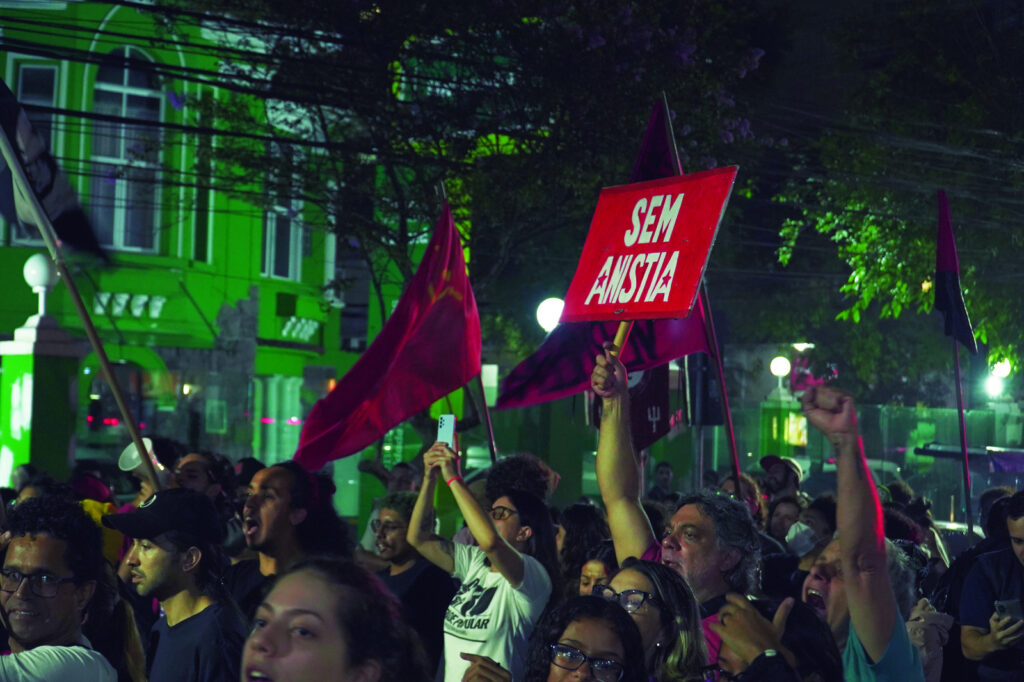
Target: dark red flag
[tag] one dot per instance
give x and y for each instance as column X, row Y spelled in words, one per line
column 948, row 296
column 562, row 365
column 429, row 347
column 46, row 181
column 648, row 407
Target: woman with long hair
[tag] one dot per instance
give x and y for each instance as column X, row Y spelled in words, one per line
column 666, row 612
column 506, row 580
column 580, row 528
column 330, row 620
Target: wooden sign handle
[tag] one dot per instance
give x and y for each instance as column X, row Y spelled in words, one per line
column 621, row 336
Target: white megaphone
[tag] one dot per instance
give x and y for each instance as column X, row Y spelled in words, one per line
column 131, row 461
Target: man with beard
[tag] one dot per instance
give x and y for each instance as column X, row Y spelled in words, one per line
column 423, row 589
column 175, row 559
column 712, row 540
column 860, row 583
column 288, row 516
column 782, row 477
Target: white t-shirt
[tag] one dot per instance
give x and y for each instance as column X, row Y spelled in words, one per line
column 489, row 617
column 50, row 663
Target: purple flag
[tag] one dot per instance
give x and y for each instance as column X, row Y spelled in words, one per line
column 948, row 296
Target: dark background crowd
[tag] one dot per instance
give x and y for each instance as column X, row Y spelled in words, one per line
column 235, row 571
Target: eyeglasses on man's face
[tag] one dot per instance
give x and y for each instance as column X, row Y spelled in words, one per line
column 377, row 526
column 571, row 658
column 500, row 513
column 43, row 585
column 631, row 600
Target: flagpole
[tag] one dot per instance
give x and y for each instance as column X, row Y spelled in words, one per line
column 49, row 236
column 491, row 442
column 709, row 328
column 963, row 439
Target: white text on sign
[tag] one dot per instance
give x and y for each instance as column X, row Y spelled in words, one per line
column 641, row 277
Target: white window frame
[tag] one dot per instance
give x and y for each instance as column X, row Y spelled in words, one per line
column 33, row 238
column 126, row 162
column 270, row 227
column 283, row 206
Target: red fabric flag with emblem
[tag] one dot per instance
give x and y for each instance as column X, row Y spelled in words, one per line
column 429, row 347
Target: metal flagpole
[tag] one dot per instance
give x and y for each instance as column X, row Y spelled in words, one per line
column 709, row 328
column 963, row 439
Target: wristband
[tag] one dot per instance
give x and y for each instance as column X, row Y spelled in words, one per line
column 454, row 478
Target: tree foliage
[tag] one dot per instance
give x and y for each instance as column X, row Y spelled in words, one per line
column 935, row 101
column 522, row 110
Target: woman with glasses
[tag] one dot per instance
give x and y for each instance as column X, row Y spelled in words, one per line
column 506, row 580
column 584, row 638
column 665, row 611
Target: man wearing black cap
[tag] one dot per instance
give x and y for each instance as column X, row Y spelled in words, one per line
column 174, row 558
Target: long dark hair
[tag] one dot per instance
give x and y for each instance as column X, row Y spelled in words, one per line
column 322, row 531
column 369, row 617
column 550, row 628
column 585, row 527
column 684, row 653
column 541, row 545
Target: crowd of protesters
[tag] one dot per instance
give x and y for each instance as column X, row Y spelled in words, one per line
column 245, row 572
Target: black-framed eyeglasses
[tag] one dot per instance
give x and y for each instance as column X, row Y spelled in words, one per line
column 379, row 527
column 43, row 585
column 570, row 658
column 631, row 600
column 500, row 513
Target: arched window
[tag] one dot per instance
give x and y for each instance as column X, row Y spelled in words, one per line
column 125, row 196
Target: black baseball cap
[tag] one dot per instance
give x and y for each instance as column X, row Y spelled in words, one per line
column 180, row 509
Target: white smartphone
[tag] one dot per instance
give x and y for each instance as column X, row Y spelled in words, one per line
column 446, row 430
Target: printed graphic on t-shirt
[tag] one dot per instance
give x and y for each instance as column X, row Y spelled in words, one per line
column 465, row 617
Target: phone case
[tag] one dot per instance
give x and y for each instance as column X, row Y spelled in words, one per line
column 446, row 430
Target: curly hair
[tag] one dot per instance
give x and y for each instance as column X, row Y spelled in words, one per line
column 370, row 619
column 735, row 530
column 550, row 628
column 63, row 519
column 109, row 625
column 517, row 472
column 402, row 502
column 585, row 527
column 322, row 531
column 680, row 622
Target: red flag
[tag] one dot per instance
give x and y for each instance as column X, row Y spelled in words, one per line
column 948, row 296
column 562, row 365
column 429, row 347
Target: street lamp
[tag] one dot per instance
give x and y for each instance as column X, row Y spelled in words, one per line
column 548, row 313
column 780, row 367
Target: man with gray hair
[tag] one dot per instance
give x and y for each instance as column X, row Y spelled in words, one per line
column 854, row 582
column 712, row 540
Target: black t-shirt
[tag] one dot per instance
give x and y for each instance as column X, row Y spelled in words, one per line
column 995, row 576
column 206, row 647
column 425, row 592
column 246, row 585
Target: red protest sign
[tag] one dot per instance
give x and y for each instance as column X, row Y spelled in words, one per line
column 647, row 248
